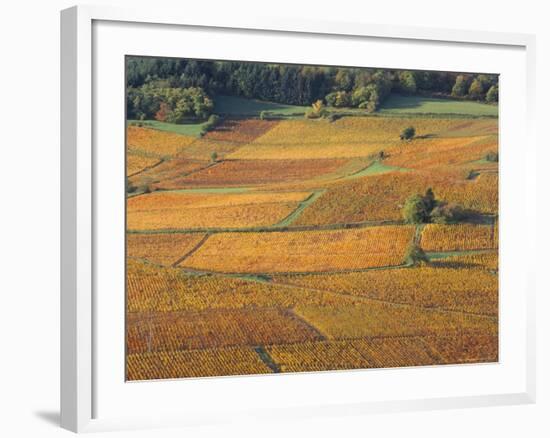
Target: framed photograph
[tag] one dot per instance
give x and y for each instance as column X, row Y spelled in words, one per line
column 287, row 218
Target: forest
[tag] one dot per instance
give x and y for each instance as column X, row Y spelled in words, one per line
column 174, row 90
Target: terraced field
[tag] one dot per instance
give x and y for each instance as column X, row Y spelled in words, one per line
column 267, row 246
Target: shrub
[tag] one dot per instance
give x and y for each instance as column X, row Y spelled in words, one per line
column 415, row 255
column 408, row 133
column 317, row 110
column 472, row 174
column 130, row 188
column 211, row 123
column 492, row 156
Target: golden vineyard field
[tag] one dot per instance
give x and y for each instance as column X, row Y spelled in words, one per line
column 214, row 328
column 173, row 210
column 437, row 286
column 286, row 250
column 158, row 143
column 458, row 237
column 299, row 251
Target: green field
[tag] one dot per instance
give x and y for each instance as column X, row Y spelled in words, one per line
column 396, row 104
column 240, row 106
column 190, row 129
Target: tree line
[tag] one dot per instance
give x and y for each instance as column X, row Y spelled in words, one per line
column 191, row 84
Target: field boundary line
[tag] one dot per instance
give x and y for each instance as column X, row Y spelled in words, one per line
column 274, row 228
column 267, row 359
column 422, row 337
column 380, row 300
column 146, row 168
column 192, row 251
column 268, row 274
column 291, row 312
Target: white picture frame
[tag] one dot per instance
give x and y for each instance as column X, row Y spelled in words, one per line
column 80, row 167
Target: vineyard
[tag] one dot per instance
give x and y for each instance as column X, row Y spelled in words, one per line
column 180, row 210
column 441, row 238
column 298, row 251
column 280, row 245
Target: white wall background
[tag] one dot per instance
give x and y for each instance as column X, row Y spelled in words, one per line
column 29, row 218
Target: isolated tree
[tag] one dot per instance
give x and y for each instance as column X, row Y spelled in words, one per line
column 418, row 208
column 415, row 211
column 415, row 255
column 408, row 133
column 214, row 156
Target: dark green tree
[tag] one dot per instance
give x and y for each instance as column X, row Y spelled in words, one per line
column 415, row 211
column 408, row 133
